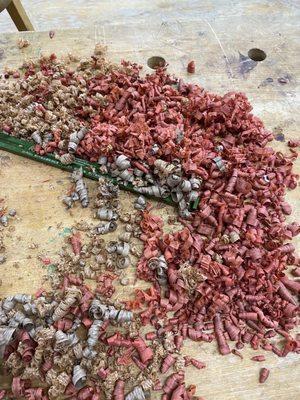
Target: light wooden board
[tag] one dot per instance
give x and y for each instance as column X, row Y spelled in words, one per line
column 214, row 42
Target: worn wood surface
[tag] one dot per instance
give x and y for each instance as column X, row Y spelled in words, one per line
column 217, row 44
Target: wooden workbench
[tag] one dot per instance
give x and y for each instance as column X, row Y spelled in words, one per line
column 217, row 43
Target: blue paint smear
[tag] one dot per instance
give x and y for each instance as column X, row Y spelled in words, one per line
column 51, row 269
column 280, row 137
column 65, row 232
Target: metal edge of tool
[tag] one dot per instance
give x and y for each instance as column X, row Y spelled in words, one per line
column 24, row 148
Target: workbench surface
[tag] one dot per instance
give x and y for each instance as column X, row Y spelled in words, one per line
column 219, row 45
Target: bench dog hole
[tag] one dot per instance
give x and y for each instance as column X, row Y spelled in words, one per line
column 257, row 54
column 156, row 62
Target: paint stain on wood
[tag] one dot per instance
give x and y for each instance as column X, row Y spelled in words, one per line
column 4, row 160
column 266, row 82
column 284, row 79
column 278, row 134
column 246, row 64
column 65, row 232
column 51, row 269
column 280, row 137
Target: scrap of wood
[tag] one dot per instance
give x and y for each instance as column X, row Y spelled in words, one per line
column 19, row 16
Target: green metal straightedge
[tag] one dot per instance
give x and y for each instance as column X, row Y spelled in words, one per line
column 90, row 170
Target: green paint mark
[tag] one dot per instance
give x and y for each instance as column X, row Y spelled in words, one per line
column 65, row 232
column 51, row 269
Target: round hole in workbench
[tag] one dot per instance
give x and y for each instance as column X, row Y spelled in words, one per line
column 156, row 62
column 257, row 54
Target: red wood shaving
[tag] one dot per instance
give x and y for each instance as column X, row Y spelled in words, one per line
column 178, row 393
column 132, row 304
column 172, row 382
column 139, row 363
column 296, row 272
column 85, row 393
column 294, row 143
column 145, row 353
column 105, row 284
column 118, row 340
column 178, row 340
column 263, row 375
column 76, row 243
column 191, row 67
column 103, row 373
column 35, row 394
column 39, row 292
column 198, row 364
column 126, row 359
column 290, row 346
column 167, row 363
column 259, row 358
column 18, row 387
column 64, row 324
column 237, row 353
column 70, row 390
column 223, row 346
column 119, row 389
column 157, row 385
column 46, row 366
column 150, row 336
column 46, row 261
column 292, row 285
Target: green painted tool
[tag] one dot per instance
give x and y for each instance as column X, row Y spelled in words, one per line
column 90, row 170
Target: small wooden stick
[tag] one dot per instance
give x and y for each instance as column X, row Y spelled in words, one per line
column 19, row 16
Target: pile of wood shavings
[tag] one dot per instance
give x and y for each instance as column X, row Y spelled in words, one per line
column 75, row 340
column 220, row 278
column 48, row 95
